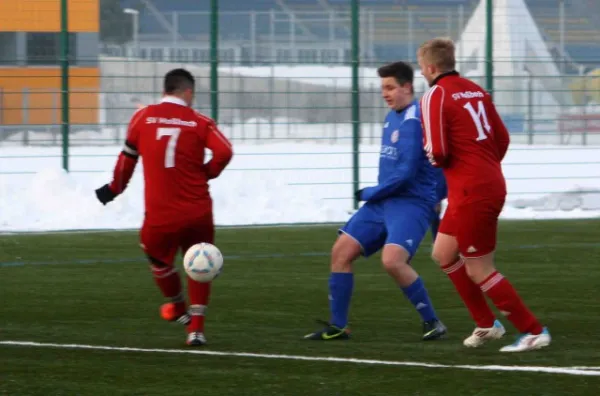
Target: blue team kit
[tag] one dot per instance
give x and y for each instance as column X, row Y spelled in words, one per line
column 400, row 208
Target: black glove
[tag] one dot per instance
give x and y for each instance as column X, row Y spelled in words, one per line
column 105, row 194
column 357, row 195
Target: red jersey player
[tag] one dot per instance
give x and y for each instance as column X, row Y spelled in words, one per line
column 171, row 139
column 464, row 135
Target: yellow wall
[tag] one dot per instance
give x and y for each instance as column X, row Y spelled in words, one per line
column 44, row 15
column 44, row 107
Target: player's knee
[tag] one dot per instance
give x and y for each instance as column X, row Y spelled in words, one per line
column 477, row 273
column 340, row 261
column 444, row 259
column 479, row 269
column 394, row 264
column 440, row 257
column 397, row 264
column 343, row 253
column 394, row 258
column 444, row 253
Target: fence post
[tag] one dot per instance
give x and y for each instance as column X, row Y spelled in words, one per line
column 54, row 119
column 530, row 109
column 64, row 68
column 585, row 119
column 214, row 59
column 489, row 49
column 355, row 98
column 25, row 103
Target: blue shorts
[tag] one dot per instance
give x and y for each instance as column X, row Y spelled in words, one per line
column 399, row 222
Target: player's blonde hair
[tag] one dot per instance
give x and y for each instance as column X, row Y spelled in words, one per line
column 439, row 52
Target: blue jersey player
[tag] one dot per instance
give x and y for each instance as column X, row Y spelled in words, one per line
column 396, row 216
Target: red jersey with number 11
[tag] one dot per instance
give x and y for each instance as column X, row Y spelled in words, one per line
column 464, row 135
column 171, row 138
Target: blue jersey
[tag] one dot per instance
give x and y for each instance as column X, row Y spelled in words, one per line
column 404, row 170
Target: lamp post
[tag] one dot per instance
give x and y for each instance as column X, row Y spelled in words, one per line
column 135, row 15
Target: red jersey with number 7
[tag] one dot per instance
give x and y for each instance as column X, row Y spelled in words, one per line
column 171, row 138
column 464, row 135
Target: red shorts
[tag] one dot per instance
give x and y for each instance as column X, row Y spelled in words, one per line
column 474, row 225
column 161, row 243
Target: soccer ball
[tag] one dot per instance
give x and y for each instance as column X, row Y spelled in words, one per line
column 203, row 262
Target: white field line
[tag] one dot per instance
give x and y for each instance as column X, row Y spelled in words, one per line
column 586, row 367
column 587, row 371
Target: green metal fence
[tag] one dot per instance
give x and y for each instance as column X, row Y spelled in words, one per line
column 304, row 72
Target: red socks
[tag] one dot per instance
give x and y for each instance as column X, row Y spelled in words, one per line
column 470, row 293
column 168, row 281
column 500, row 291
column 506, row 299
column 199, row 294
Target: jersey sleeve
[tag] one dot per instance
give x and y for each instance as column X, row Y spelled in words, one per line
column 501, row 135
column 434, row 125
column 221, row 149
column 410, row 150
column 128, row 157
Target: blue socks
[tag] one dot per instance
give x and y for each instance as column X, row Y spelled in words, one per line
column 340, row 293
column 341, row 285
column 417, row 295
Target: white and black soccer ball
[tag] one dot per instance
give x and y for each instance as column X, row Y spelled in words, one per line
column 203, row 262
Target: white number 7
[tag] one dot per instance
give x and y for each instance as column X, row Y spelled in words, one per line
column 173, row 134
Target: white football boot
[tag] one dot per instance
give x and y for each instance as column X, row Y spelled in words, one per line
column 529, row 342
column 196, row 338
column 481, row 335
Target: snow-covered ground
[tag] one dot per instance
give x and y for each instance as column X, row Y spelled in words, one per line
column 265, row 184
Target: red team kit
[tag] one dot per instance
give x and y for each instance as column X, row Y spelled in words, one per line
column 464, row 135
column 461, row 120
column 172, row 138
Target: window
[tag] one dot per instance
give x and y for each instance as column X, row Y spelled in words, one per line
column 8, row 48
column 43, row 49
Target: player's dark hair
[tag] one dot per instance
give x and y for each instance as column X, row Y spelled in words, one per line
column 401, row 71
column 178, row 80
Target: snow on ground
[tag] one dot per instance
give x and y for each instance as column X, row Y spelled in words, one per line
column 264, row 184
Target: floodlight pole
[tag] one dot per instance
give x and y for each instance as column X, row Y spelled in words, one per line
column 136, row 27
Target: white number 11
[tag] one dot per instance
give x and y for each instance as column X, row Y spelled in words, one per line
column 173, row 134
column 479, row 116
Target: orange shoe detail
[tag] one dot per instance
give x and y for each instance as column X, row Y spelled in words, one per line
column 170, row 311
